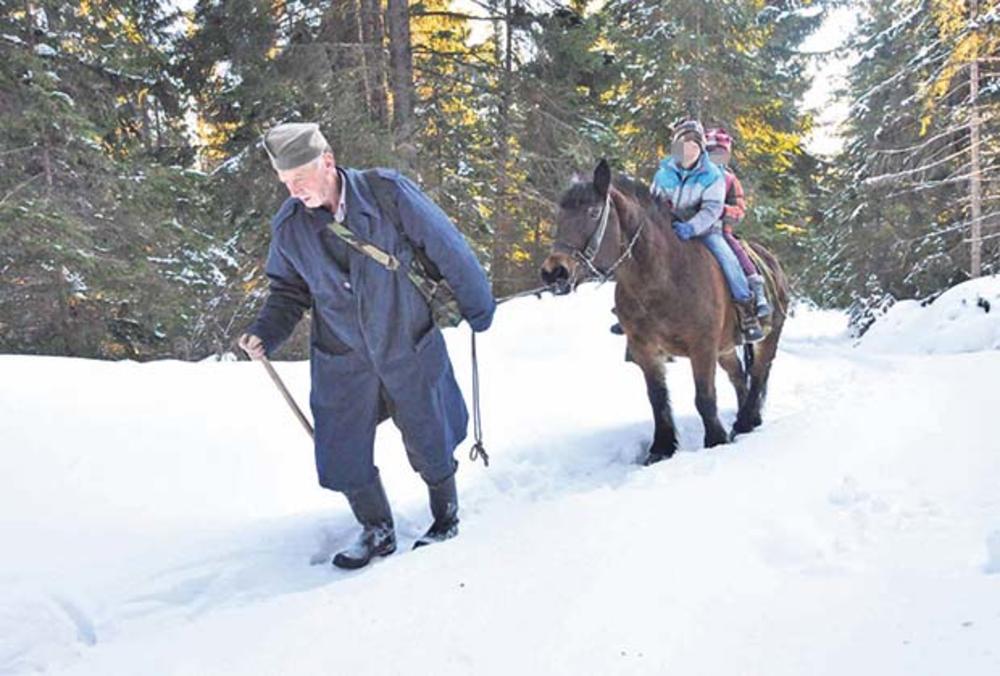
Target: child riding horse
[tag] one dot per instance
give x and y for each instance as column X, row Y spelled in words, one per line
column 695, row 190
column 719, row 145
column 671, row 299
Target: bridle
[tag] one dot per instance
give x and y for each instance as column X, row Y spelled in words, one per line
column 587, row 255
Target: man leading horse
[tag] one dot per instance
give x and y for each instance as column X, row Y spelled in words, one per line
column 375, row 351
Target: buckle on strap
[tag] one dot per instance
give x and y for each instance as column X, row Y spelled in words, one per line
column 383, row 258
column 386, row 260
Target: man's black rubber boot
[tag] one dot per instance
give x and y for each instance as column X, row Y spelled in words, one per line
column 444, row 509
column 378, row 535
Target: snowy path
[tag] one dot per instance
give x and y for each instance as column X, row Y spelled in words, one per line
column 160, row 519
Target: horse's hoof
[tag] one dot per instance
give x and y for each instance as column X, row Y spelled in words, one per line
column 732, row 435
column 741, row 427
column 654, row 458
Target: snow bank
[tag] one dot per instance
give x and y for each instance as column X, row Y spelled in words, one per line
column 993, row 554
column 966, row 318
column 161, row 518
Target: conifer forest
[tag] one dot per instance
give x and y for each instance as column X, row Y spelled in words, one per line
column 136, row 197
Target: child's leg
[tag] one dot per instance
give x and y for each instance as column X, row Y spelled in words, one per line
column 754, row 278
column 748, row 267
column 731, row 268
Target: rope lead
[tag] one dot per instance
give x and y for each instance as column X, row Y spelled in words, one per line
column 478, row 450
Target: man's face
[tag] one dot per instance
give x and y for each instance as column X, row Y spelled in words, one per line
column 312, row 183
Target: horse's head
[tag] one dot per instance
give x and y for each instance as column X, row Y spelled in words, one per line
column 586, row 241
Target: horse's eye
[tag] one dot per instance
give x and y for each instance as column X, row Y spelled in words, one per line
column 594, row 213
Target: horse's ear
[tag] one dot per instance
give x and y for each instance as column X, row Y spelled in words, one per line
column 602, row 177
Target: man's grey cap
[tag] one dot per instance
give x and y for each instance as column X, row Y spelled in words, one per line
column 293, row 144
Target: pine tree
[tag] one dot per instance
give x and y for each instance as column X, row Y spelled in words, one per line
column 89, row 200
column 730, row 64
column 902, row 213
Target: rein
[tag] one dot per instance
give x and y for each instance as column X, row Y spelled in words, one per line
column 478, row 450
column 586, row 256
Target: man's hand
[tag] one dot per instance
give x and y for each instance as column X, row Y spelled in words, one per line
column 253, row 346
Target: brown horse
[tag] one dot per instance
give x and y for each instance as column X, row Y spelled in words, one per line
column 671, row 299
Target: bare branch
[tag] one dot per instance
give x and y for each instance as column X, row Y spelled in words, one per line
column 457, row 15
column 18, row 187
column 875, row 181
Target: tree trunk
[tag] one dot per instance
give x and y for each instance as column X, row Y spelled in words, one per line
column 145, row 126
column 158, row 119
column 374, row 60
column 47, row 163
column 63, row 312
column 342, row 36
column 503, row 225
column 403, row 94
column 29, row 24
column 975, row 185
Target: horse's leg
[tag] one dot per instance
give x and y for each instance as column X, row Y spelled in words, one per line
column 655, row 374
column 749, row 416
column 734, row 369
column 703, row 366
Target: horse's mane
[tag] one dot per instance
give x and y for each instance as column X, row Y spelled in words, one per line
column 632, row 187
column 582, row 193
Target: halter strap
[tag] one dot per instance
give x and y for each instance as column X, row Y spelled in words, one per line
column 594, row 245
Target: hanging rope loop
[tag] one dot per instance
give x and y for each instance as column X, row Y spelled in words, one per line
column 478, row 449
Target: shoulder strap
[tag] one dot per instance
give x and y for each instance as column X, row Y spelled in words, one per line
column 386, row 260
column 386, row 203
column 384, row 191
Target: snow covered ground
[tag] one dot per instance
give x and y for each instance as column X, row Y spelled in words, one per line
column 966, row 318
column 160, row 518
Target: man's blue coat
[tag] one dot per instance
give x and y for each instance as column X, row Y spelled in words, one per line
column 374, row 347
